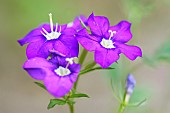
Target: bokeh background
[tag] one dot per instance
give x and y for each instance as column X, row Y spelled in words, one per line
column 151, row 31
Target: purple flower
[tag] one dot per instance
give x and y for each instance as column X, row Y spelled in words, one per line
column 50, row 37
column 130, row 84
column 58, row 74
column 107, row 41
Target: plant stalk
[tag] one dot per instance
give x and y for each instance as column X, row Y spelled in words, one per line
column 71, row 107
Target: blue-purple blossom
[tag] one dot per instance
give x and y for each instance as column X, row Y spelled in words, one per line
column 58, row 74
column 130, row 84
column 49, row 37
column 107, row 41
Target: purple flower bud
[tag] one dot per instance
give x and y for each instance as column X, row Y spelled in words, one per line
column 130, row 84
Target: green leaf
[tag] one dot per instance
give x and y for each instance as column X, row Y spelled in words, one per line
column 54, row 102
column 79, row 95
column 40, row 84
column 93, row 69
column 137, row 104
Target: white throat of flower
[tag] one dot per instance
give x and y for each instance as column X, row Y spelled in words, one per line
column 53, row 34
column 108, row 43
column 64, row 71
column 61, row 71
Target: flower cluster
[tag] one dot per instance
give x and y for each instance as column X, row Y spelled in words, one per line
column 52, row 49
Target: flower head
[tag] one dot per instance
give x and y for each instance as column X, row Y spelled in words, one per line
column 58, row 75
column 107, row 41
column 48, row 37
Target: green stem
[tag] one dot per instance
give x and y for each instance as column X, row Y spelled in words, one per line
column 121, row 108
column 81, row 60
column 71, row 107
column 123, row 104
column 82, row 56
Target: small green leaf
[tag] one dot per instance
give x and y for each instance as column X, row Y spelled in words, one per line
column 40, row 84
column 93, row 69
column 79, row 95
column 137, row 104
column 54, row 102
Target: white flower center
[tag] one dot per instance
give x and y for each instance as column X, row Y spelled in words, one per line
column 53, row 34
column 61, row 71
column 108, row 43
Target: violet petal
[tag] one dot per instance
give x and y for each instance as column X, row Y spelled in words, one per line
column 37, row 67
column 105, row 57
column 99, row 25
column 123, row 33
column 132, row 52
column 58, row 86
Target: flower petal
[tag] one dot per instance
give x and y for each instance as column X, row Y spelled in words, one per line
column 123, row 33
column 34, row 35
column 132, row 52
column 75, row 68
column 88, row 42
column 61, row 48
column 45, row 49
column 33, row 48
column 99, row 25
column 69, row 31
column 58, row 86
column 71, row 44
column 105, row 57
column 67, row 45
column 37, row 67
column 38, row 49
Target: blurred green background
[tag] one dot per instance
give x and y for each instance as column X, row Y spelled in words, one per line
column 151, row 31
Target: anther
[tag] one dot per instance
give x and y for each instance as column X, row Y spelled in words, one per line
column 111, row 33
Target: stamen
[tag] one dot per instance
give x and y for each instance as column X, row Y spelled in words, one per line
column 53, row 34
column 51, row 22
column 70, row 60
column 45, row 31
column 56, row 27
column 67, row 65
column 111, row 34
